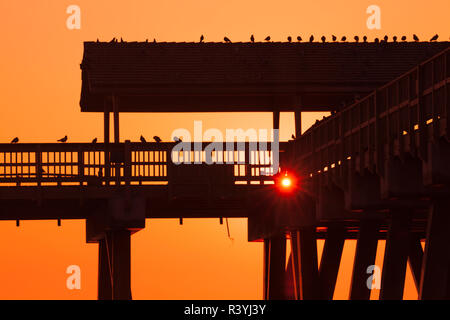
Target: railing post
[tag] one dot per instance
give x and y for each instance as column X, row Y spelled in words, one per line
column 127, row 163
column 81, row 165
column 38, row 165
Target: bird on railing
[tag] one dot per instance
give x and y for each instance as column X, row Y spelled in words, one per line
column 403, row 38
column 293, row 137
column 289, row 39
column 63, row 140
column 202, row 38
column 143, row 139
column 435, row 37
column 252, row 38
column 416, row 38
column 323, row 38
column 95, row 140
column 157, row 139
column 267, row 38
column 344, row 38
column 299, row 39
column 356, row 38
column 334, row 38
column 226, row 39
column 394, row 38
column 365, row 38
column 15, row 140
column 311, row 39
column 386, row 38
column 176, row 139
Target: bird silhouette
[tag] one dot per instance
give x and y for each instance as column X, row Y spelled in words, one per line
column 15, row 140
column 289, row 39
column 334, row 38
column 252, row 38
column 202, row 38
column 299, row 38
column 386, row 38
column 323, row 39
column 121, row 40
column 293, row 137
column 376, row 40
column 267, row 38
column 416, row 38
column 41, row 171
column 154, row 40
column 356, row 38
column 365, row 38
column 143, row 139
column 344, row 38
column 435, row 37
column 95, row 140
column 113, row 40
column 394, row 38
column 63, row 139
column 403, row 38
column 226, row 39
column 311, row 39
column 157, row 139
column 98, row 40
column 146, row 40
column 176, row 139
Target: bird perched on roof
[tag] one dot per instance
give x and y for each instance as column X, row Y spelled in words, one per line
column 365, row 38
column 226, row 39
column 334, row 38
column 344, row 38
column 252, row 38
column 289, row 39
column 176, row 139
column 416, row 38
column 403, row 38
column 157, row 139
column 95, row 140
column 202, row 38
column 143, row 139
column 267, row 38
column 15, row 140
column 63, row 139
column 323, row 39
column 435, row 37
column 356, row 38
column 394, row 38
column 299, row 38
column 311, row 39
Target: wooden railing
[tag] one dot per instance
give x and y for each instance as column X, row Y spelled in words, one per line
column 128, row 163
column 402, row 115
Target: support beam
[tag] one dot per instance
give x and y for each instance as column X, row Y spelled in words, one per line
column 366, row 250
column 304, row 246
column 435, row 266
column 289, row 290
column 295, row 265
column 395, row 257
column 104, row 271
column 266, row 269
column 415, row 258
column 276, row 267
column 330, row 262
column 106, row 124
column 121, row 266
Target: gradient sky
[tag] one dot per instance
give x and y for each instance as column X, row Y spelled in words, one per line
column 40, row 85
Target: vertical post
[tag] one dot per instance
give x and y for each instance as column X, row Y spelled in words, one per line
column 277, row 267
column 298, row 122
column 415, row 257
column 276, row 119
column 295, row 265
column 366, row 250
column 330, row 262
column 395, row 257
column 121, row 264
column 309, row 271
column 266, row 267
column 107, row 172
column 104, row 271
column 434, row 277
column 115, row 104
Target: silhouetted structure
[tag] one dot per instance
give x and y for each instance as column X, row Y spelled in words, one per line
column 374, row 169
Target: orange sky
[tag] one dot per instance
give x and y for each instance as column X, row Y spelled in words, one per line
column 40, row 85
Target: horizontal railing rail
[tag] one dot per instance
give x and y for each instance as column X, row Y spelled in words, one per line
column 407, row 112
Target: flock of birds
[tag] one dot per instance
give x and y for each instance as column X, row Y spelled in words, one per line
column 142, row 138
column 311, row 39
